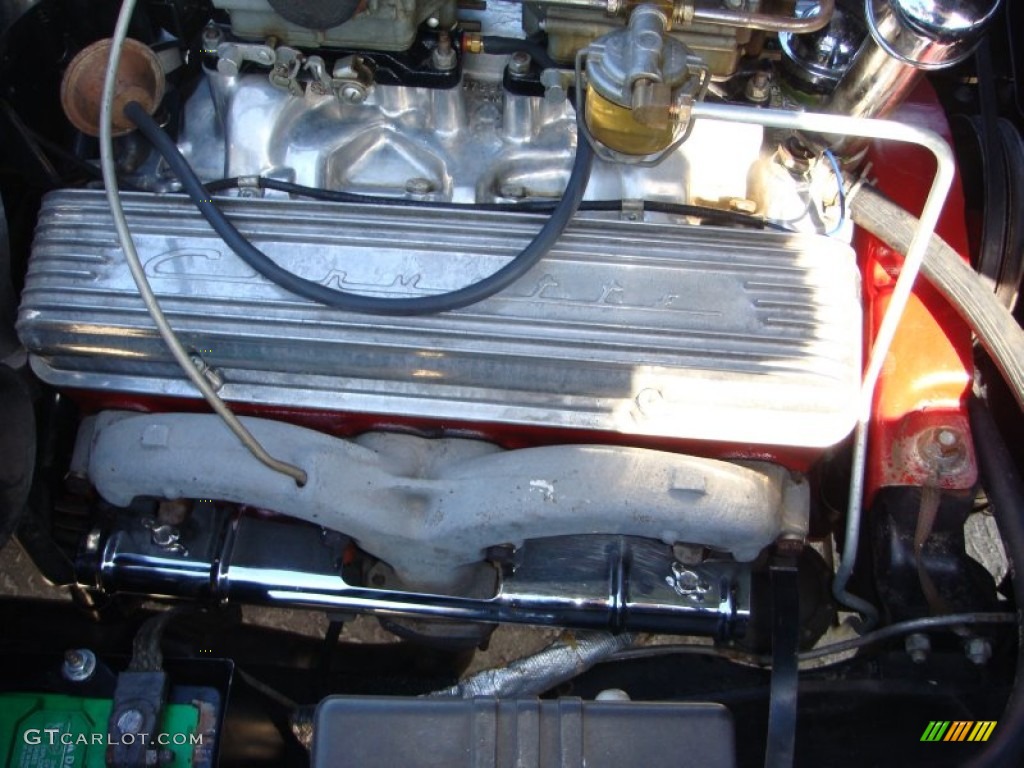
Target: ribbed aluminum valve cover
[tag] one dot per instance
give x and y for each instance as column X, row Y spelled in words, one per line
column 637, row 328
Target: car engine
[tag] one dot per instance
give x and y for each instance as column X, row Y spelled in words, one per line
column 580, row 314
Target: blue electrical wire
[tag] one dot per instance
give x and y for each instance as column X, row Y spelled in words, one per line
column 842, row 194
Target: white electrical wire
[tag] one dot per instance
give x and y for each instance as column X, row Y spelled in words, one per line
column 131, row 256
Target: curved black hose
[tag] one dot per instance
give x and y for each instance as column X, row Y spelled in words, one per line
column 1006, row 491
column 530, row 206
column 353, row 302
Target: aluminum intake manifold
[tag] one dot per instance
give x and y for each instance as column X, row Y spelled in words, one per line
column 431, row 508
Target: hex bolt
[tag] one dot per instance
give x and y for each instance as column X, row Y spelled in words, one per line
column 688, row 581
column 519, row 63
column 942, row 448
column 759, row 87
column 978, row 650
column 352, row 94
column 918, row 646
column 79, row 665
column 443, row 56
column 130, row 721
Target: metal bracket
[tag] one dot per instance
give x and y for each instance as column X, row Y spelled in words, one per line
column 230, row 56
column 351, row 79
column 632, row 210
column 138, row 700
column 285, row 72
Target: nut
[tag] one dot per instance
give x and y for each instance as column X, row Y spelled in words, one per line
column 79, row 665
column 473, row 42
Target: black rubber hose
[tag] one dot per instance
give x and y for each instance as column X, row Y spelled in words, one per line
column 528, row 206
column 996, row 329
column 1006, row 492
column 353, row 302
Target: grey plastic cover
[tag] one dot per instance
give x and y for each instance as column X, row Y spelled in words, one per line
column 389, row 731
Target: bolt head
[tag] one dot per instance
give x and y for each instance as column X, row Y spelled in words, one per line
column 419, row 186
column 353, row 94
column 949, row 442
column 92, row 540
column 943, row 447
column 130, row 721
column 443, row 58
column 519, row 63
column 978, row 650
column 918, row 646
column 759, row 87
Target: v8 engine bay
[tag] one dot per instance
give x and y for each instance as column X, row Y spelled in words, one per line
column 686, row 328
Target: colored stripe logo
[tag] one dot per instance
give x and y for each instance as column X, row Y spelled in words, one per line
column 958, row 730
